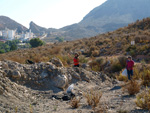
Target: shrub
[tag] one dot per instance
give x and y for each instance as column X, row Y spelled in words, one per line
column 101, row 108
column 60, row 39
column 116, row 67
column 93, row 98
column 122, row 61
column 35, row 42
column 131, row 48
column 132, row 87
column 132, row 52
column 55, row 50
column 97, row 65
column 82, row 59
column 143, row 99
column 146, row 77
column 143, row 62
column 95, row 53
column 75, row 102
column 137, row 73
column 122, row 111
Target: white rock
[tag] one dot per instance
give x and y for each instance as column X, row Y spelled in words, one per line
column 60, row 81
column 44, row 74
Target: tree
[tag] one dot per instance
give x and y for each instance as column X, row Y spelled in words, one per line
column 13, row 47
column 2, row 51
column 36, row 42
column 60, row 39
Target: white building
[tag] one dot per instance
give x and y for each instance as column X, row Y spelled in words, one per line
column 11, row 34
column 31, row 35
column 5, row 33
column 0, row 33
column 27, row 35
column 8, row 34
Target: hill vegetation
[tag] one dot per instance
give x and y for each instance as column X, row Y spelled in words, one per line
column 96, row 88
column 109, row 44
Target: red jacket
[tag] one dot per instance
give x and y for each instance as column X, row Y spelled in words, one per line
column 130, row 65
column 76, row 61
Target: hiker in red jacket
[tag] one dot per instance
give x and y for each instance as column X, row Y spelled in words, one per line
column 129, row 66
column 76, row 60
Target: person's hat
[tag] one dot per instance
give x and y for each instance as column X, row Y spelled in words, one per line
column 76, row 54
column 130, row 57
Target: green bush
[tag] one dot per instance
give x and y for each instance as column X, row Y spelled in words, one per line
column 60, row 39
column 122, row 61
column 116, row 67
column 131, row 48
column 36, row 42
column 97, row 65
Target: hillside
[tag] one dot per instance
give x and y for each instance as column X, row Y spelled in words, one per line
column 112, row 43
column 41, row 88
column 6, row 22
column 109, row 16
column 98, row 84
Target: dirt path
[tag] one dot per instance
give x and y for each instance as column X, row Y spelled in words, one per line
column 113, row 97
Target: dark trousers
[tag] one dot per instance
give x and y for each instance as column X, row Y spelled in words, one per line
column 76, row 65
column 130, row 74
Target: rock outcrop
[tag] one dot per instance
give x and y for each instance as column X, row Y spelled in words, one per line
column 43, row 75
column 25, row 88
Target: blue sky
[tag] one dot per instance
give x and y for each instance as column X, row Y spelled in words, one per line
column 47, row 13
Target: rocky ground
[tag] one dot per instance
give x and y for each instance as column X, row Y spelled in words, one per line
column 40, row 88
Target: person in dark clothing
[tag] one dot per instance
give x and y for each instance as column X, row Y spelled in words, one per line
column 129, row 66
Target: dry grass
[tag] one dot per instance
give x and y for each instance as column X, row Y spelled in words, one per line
column 122, row 111
column 122, row 78
column 98, row 64
column 75, row 102
column 101, row 108
column 108, row 44
column 132, row 87
column 146, row 77
column 143, row 99
column 93, row 98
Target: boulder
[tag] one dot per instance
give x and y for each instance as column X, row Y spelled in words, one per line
column 5, row 66
column 16, row 74
column 84, row 66
column 51, row 66
column 60, row 81
column 44, row 74
column 57, row 62
column 75, row 75
column 1, row 90
column 85, row 75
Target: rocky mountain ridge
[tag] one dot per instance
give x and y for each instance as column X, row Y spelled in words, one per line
column 6, row 22
column 109, row 16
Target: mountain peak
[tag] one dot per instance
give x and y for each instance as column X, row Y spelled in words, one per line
column 6, row 22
